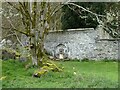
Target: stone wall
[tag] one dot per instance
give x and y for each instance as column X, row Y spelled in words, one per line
column 83, row 43
column 107, row 49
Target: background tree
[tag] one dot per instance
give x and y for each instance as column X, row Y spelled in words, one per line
column 91, row 14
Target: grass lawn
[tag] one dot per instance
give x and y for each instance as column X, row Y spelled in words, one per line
column 75, row 75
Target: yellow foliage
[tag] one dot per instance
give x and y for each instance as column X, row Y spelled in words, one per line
column 11, row 51
column 46, row 68
column 54, row 66
column 39, row 73
column 2, row 77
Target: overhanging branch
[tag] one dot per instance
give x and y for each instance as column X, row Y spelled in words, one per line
column 96, row 15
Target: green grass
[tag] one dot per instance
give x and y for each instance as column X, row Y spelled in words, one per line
column 75, row 75
column 0, row 74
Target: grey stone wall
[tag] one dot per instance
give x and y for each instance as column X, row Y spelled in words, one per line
column 83, row 43
column 107, row 49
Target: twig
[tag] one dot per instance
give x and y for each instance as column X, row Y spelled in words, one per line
column 56, row 10
column 9, row 35
column 15, row 29
column 18, row 39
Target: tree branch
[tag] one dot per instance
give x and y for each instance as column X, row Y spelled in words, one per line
column 56, row 10
column 13, row 6
column 84, row 9
column 96, row 15
column 20, row 31
column 18, row 39
column 27, row 14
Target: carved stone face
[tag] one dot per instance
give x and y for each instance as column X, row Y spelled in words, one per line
column 61, row 51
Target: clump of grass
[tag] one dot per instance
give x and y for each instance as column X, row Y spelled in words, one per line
column 109, row 60
column 85, row 60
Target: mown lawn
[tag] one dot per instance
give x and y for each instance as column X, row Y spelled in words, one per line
column 75, row 75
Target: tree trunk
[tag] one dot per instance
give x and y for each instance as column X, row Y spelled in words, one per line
column 38, row 55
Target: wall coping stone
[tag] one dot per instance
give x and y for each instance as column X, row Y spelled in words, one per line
column 79, row 29
column 113, row 39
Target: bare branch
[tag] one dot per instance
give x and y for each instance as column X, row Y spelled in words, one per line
column 9, row 35
column 34, row 15
column 20, row 31
column 85, row 9
column 13, row 6
column 18, row 39
column 26, row 12
column 96, row 15
column 56, row 10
